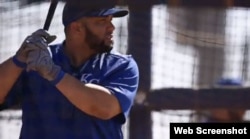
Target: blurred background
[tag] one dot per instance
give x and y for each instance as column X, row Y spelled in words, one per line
column 183, row 49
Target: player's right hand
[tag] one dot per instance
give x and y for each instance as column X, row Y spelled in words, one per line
column 39, row 60
column 37, row 37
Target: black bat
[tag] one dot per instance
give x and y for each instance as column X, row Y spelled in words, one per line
column 52, row 8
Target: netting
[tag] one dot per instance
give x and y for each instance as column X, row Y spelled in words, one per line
column 18, row 21
column 191, row 48
column 199, row 45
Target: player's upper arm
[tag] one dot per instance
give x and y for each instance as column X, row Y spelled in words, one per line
column 123, row 83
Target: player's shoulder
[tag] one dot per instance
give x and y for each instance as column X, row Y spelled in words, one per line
column 114, row 61
column 54, row 48
column 119, row 57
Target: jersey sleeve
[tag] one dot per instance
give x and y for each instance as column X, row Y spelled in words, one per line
column 123, row 83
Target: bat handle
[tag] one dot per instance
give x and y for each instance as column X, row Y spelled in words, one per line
column 50, row 14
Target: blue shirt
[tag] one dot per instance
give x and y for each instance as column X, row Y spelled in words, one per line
column 47, row 114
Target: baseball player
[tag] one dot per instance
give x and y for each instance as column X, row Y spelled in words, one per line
column 227, row 115
column 223, row 115
column 79, row 89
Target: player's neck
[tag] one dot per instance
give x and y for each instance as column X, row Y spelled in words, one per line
column 77, row 54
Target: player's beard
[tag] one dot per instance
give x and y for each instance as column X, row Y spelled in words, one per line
column 95, row 42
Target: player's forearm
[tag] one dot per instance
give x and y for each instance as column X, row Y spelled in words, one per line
column 90, row 98
column 9, row 73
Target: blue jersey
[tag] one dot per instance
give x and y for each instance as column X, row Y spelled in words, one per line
column 47, row 114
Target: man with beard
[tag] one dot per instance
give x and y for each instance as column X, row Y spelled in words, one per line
column 79, row 89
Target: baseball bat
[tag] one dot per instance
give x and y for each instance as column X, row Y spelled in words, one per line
column 52, row 8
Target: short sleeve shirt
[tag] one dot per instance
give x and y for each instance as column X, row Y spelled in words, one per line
column 48, row 114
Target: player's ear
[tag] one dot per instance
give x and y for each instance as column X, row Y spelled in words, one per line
column 76, row 27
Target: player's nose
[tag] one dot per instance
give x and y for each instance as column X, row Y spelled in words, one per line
column 111, row 27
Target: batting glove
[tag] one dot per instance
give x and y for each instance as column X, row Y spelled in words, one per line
column 39, row 60
column 21, row 55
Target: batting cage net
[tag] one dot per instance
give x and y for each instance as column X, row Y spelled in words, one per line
column 190, row 52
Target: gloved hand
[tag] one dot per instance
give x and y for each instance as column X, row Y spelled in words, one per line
column 38, row 37
column 39, row 59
